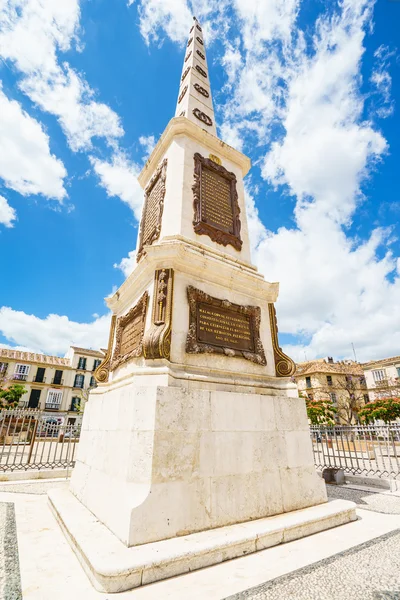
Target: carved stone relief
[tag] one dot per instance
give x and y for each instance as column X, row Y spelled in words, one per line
column 150, row 225
column 129, row 336
column 202, row 117
column 183, row 92
column 200, row 54
column 157, row 341
column 284, row 366
column 102, row 372
column 201, row 71
column 201, row 90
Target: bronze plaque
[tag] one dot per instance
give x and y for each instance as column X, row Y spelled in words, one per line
column 223, row 327
column 215, row 199
column 129, row 335
column 150, row 225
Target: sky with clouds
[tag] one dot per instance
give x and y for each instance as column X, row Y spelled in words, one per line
column 307, row 88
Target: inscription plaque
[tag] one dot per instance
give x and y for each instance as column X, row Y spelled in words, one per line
column 150, row 225
column 223, row 327
column 129, row 336
column 215, row 199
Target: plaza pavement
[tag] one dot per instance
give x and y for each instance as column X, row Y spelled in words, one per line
column 360, row 560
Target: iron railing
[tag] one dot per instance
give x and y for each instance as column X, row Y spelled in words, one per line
column 31, row 439
column 368, row 450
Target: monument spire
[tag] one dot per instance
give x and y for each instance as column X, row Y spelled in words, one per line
column 194, row 98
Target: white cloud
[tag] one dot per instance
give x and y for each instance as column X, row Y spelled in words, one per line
column 127, row 264
column 148, row 143
column 7, row 213
column 26, row 163
column 31, row 34
column 119, row 178
column 54, row 334
column 171, row 15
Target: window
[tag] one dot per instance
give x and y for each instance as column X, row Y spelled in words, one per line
column 362, row 380
column 366, row 398
column 75, row 402
column 54, row 398
column 21, row 372
column 39, row 377
column 333, row 397
column 96, row 363
column 92, row 382
column 3, row 368
column 82, row 363
column 58, row 377
column 308, row 382
column 329, row 379
column 379, row 375
column 79, row 381
column 398, row 371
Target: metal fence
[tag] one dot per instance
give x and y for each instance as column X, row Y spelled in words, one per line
column 372, row 450
column 30, row 439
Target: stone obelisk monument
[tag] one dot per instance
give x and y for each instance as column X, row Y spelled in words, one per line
column 195, row 434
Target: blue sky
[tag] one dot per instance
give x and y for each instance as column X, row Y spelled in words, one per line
column 306, row 88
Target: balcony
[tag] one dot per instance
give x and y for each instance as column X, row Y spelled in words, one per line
column 20, row 377
column 52, row 406
column 382, row 383
column 57, row 381
column 39, row 379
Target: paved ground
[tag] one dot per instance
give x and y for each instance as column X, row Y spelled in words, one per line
column 10, row 579
column 382, row 502
column 358, row 560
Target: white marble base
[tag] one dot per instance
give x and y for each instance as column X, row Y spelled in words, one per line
column 112, row 567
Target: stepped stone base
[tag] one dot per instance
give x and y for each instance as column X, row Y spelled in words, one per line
column 112, row 567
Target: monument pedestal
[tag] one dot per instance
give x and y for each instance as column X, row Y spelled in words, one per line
column 157, row 465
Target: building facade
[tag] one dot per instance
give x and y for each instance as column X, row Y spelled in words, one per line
column 53, row 384
column 383, row 377
column 342, row 382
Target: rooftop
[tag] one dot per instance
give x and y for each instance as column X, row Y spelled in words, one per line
column 321, row 365
column 33, row 357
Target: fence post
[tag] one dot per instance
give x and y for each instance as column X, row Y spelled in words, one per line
column 33, row 439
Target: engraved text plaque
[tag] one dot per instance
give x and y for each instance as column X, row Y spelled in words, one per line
column 150, row 225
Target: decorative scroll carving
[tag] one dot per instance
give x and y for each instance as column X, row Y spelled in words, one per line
column 150, row 225
column 185, row 73
column 201, row 90
column 129, row 336
column 182, row 94
column 189, row 42
column 102, row 372
column 201, row 71
column 284, row 366
column 200, row 54
column 202, row 117
column 223, row 327
column 188, row 56
column 198, row 27
column 157, row 341
column 199, row 40
column 215, row 202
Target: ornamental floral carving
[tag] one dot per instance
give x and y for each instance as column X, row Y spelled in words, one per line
column 152, row 209
column 157, row 341
column 201, row 71
column 136, row 315
column 253, row 314
column 199, row 40
column 183, row 92
column 200, row 224
column 200, row 54
column 201, row 90
column 202, row 117
column 185, row 73
column 284, row 366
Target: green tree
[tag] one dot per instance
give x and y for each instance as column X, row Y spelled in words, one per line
column 10, row 396
column 385, row 409
column 320, row 412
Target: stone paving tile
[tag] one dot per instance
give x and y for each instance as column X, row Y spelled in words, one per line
column 370, row 571
column 10, row 577
column 33, row 487
column 375, row 501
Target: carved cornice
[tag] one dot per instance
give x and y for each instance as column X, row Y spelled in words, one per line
column 201, row 71
column 200, row 226
column 201, row 90
column 102, row 372
column 193, row 345
column 202, row 117
column 139, row 309
column 200, row 54
column 284, row 366
column 157, row 341
column 161, row 173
